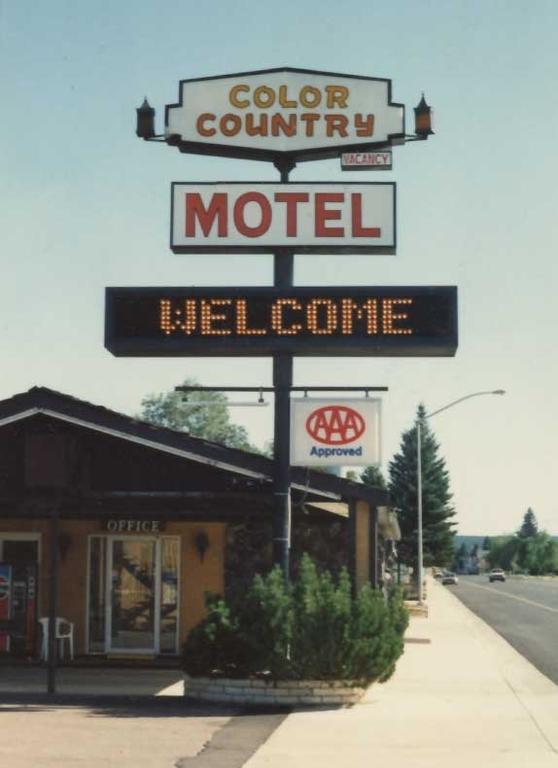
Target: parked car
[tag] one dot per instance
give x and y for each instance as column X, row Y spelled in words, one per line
column 496, row 574
column 449, row 578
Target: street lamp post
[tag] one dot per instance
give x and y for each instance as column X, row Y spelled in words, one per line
column 419, row 475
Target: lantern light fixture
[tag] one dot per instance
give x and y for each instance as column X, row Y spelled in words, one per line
column 423, row 120
column 145, row 123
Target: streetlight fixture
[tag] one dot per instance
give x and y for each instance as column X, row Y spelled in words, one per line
column 419, row 474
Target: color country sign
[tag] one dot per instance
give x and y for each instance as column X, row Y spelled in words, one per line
column 300, row 113
column 261, row 217
column 334, row 432
column 403, row 321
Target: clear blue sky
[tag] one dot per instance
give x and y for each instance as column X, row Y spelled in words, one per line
column 85, row 204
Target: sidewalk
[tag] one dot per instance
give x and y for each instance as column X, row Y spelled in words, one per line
column 461, row 696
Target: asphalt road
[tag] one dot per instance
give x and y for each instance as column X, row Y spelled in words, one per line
column 523, row 611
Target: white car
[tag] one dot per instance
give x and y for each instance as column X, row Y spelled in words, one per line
column 449, row 578
column 496, row 574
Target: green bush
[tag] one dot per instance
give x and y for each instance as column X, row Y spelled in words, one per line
column 215, row 646
column 265, row 618
column 311, row 629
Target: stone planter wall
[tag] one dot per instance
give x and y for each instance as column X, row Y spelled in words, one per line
column 288, row 692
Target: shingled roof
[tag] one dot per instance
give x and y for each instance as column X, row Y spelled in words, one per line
column 57, row 405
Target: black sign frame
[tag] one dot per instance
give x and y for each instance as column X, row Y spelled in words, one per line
column 294, row 156
column 132, row 324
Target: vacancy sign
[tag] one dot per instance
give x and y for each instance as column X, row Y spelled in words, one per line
column 327, row 433
column 260, row 217
column 366, row 161
column 296, row 112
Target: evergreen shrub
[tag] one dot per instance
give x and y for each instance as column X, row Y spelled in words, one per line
column 313, row 629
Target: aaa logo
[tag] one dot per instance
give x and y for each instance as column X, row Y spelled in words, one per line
column 335, row 425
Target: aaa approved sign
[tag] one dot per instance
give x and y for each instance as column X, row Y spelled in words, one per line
column 335, row 432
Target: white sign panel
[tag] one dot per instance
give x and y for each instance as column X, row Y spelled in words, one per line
column 366, row 161
column 260, row 217
column 327, row 433
column 285, row 111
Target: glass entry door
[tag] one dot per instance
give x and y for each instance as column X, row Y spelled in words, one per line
column 133, row 585
column 134, row 594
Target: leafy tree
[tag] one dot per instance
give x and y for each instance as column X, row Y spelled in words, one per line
column 180, row 411
column 504, row 553
column 373, row 476
column 437, row 512
column 536, row 554
column 486, row 544
column 529, row 526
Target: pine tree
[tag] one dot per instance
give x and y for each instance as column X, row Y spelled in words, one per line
column 373, row 476
column 529, row 526
column 437, row 512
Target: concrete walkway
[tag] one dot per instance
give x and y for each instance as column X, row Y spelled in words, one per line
column 461, row 696
column 93, row 681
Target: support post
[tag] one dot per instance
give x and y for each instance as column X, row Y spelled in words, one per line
column 351, row 543
column 374, row 547
column 53, row 600
column 282, row 380
column 283, row 273
column 419, row 512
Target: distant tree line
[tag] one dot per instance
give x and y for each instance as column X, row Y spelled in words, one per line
column 529, row 550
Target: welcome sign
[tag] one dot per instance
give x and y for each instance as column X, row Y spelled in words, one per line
column 327, row 433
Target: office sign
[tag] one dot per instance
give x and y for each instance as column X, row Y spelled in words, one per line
column 260, row 217
column 297, row 113
column 131, row 525
column 327, row 433
column 400, row 321
column 367, row 161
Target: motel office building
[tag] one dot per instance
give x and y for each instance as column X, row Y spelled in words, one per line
column 122, row 527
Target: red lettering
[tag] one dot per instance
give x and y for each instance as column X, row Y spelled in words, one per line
column 356, row 211
column 280, row 126
column 200, row 124
column 291, row 199
column 256, row 130
column 195, row 210
column 230, row 124
column 323, row 215
column 336, row 124
column 309, row 118
column 265, row 209
column 364, row 125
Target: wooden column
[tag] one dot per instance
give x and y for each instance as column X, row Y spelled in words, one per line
column 362, row 544
column 374, row 548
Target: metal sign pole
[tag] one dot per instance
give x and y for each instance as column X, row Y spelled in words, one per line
column 283, row 274
column 53, row 600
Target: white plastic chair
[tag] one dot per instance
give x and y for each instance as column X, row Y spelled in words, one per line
column 64, row 631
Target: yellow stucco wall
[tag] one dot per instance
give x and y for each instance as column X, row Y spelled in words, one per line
column 362, row 544
column 197, row 577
